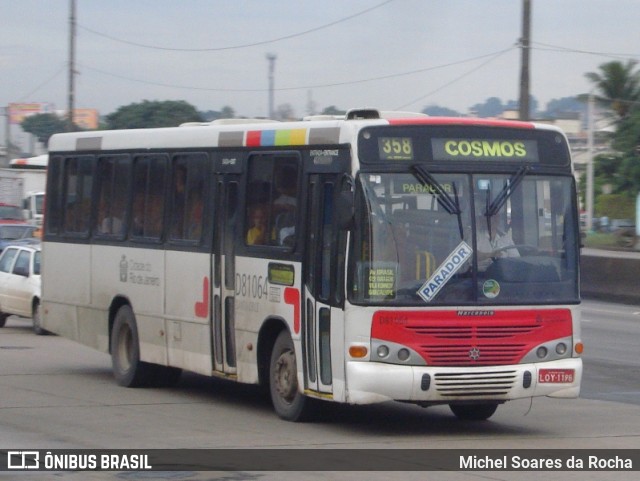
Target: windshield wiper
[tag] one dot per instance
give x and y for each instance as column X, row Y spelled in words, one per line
column 448, row 203
column 508, row 189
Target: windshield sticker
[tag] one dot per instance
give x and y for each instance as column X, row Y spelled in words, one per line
column 381, row 280
column 491, row 288
column 445, row 271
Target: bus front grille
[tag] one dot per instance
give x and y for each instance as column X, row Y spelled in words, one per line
column 474, row 384
column 473, row 354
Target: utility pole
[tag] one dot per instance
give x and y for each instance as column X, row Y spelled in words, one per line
column 271, row 57
column 525, row 42
column 589, row 199
column 72, row 70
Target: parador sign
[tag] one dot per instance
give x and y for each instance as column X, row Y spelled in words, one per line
column 445, row 271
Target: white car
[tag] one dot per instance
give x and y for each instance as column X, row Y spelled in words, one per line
column 20, row 285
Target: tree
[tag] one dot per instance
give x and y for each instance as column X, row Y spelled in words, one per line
column 557, row 107
column 149, row 114
column 226, row 113
column 285, row 112
column 617, row 86
column 492, row 107
column 43, row 126
column 437, row 111
column 333, row 110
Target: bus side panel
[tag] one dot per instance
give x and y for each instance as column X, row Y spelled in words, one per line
column 188, row 311
column 136, row 275
column 66, row 268
column 257, row 300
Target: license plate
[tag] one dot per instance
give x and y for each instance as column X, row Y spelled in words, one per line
column 553, row 376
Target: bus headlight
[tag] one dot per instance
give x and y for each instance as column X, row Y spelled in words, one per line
column 549, row 351
column 382, row 351
column 394, row 353
column 403, row 354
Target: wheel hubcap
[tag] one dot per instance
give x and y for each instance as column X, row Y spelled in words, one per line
column 285, row 376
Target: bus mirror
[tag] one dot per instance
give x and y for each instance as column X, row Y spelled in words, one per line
column 344, row 210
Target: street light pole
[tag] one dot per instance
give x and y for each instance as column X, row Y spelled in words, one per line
column 72, row 72
column 525, row 43
column 272, row 61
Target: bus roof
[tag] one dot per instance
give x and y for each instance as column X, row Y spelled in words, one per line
column 314, row 130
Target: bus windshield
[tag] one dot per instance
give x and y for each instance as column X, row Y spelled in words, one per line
column 464, row 239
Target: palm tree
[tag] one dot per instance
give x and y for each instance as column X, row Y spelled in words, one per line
column 617, row 85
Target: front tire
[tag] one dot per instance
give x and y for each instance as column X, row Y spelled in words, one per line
column 474, row 412
column 287, row 401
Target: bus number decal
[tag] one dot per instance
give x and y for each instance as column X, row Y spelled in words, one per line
column 251, row 285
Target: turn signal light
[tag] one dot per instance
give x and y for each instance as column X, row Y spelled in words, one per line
column 579, row 348
column 358, row 352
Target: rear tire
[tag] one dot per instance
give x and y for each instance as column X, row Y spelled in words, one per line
column 287, row 401
column 474, row 412
column 128, row 369
column 37, row 321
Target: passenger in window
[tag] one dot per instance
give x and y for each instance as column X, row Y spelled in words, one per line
column 179, row 203
column 194, row 231
column 286, row 185
column 108, row 224
column 137, row 227
column 493, row 241
column 155, row 212
column 257, row 232
column 284, row 206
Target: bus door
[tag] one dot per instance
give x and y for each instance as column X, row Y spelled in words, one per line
column 323, row 324
column 223, row 289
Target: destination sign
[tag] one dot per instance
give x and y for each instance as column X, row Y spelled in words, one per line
column 485, row 149
column 395, row 148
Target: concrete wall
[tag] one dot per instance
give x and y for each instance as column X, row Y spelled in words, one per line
column 610, row 276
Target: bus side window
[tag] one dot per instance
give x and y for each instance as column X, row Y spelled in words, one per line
column 78, row 183
column 113, row 189
column 285, row 204
column 188, row 189
column 149, row 177
column 272, row 198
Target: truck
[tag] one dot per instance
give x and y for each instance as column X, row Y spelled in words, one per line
column 23, row 183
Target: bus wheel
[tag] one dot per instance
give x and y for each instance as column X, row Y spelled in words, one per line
column 37, row 321
column 474, row 412
column 128, row 369
column 287, row 401
column 3, row 319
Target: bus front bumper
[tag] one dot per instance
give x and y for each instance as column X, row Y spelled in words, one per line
column 371, row 382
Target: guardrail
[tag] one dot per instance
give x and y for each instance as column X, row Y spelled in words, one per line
column 610, row 275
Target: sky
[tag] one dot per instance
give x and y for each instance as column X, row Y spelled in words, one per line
column 388, row 54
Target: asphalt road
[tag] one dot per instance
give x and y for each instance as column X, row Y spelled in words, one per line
column 611, row 333
column 55, row 394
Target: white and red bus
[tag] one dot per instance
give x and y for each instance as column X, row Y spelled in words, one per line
column 355, row 260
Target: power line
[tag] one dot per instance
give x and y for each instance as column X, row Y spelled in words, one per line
column 247, row 45
column 494, row 56
column 60, row 70
column 558, row 48
column 491, row 56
